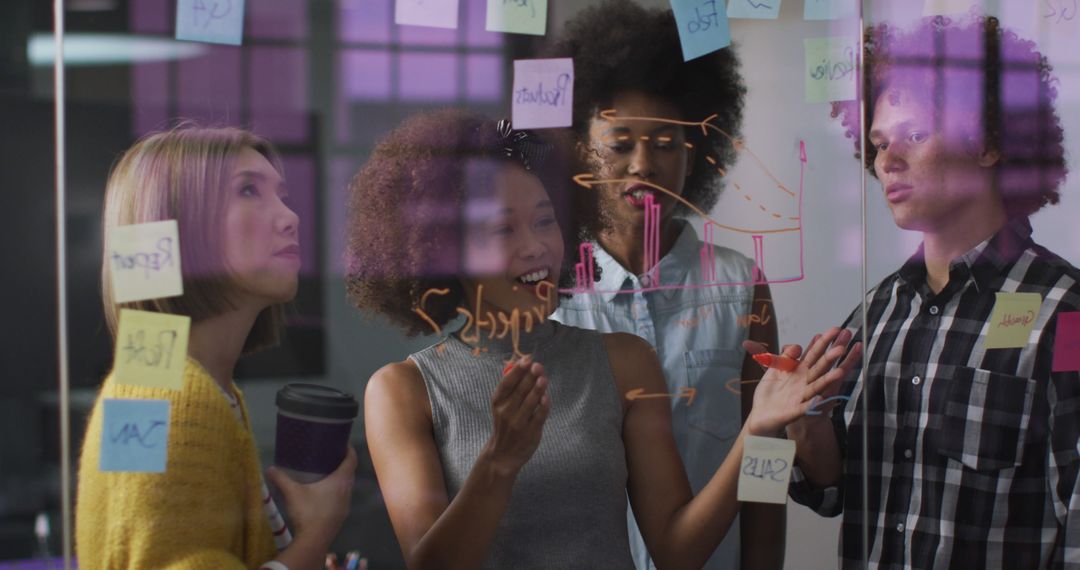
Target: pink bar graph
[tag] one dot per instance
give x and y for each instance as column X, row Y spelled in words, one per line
column 584, row 273
column 652, row 240
column 708, row 257
column 759, row 259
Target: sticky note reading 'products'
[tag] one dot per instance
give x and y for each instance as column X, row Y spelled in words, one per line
column 517, row 16
column 144, row 261
column 543, row 93
column 754, row 9
column 946, row 7
column 1012, row 319
column 430, row 13
column 830, row 69
column 213, row 21
column 1067, row 343
column 766, row 469
column 703, row 26
column 151, row 349
column 134, row 435
column 829, row 9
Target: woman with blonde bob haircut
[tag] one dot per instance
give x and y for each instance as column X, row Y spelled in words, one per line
column 241, row 259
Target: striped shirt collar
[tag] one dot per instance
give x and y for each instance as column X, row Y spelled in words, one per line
column 986, row 263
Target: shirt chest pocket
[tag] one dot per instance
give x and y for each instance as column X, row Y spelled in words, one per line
column 715, row 410
column 986, row 418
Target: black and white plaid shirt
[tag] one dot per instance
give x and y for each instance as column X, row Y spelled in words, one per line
column 973, row 452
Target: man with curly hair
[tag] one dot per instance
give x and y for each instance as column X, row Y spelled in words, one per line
column 969, row 452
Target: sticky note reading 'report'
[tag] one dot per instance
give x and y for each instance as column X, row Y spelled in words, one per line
column 144, row 261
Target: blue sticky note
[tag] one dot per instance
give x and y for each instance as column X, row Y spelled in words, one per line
column 829, row 9
column 754, row 9
column 134, row 435
column 703, row 26
column 213, row 21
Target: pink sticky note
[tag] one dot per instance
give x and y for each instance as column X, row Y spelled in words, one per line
column 1067, row 343
column 543, row 93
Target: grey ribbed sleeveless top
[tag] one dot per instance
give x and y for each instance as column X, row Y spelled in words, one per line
column 568, row 506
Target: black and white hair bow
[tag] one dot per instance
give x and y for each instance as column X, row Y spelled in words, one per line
column 524, row 145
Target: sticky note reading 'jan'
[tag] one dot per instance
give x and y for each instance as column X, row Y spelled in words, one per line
column 144, row 261
column 213, row 21
column 543, row 93
column 430, row 13
column 703, row 26
column 830, row 69
column 517, row 16
column 134, row 435
column 151, row 349
column 1067, row 343
column 829, row 9
column 1012, row 319
column 766, row 469
column 946, row 7
column 754, row 9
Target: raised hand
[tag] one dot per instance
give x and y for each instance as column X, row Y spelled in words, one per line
column 520, row 406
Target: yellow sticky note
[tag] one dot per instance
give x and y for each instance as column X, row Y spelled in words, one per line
column 766, row 469
column 947, row 7
column 1012, row 319
column 830, row 69
column 144, row 261
column 151, row 349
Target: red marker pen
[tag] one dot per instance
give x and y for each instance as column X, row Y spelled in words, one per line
column 778, row 361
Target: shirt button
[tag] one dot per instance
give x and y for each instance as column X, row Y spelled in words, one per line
column 907, row 453
column 916, row 380
column 900, row 527
column 934, row 309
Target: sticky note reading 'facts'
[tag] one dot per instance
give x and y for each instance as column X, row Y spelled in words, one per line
column 1012, row 319
column 543, row 93
column 517, row 16
column 212, row 21
column 766, row 469
column 151, row 349
column 703, row 26
column 134, row 435
column 144, row 261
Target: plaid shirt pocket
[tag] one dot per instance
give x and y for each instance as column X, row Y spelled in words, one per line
column 986, row 418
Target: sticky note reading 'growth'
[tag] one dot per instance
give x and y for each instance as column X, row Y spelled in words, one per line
column 517, row 16
column 1067, row 343
column 430, row 13
column 703, row 26
column 829, row 9
column 946, row 7
column 213, row 21
column 830, row 69
column 766, row 469
column 134, row 435
column 144, row 261
column 151, row 349
column 1012, row 319
column 754, row 9
column 543, row 93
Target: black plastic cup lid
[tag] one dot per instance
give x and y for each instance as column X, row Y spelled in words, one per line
column 318, row 401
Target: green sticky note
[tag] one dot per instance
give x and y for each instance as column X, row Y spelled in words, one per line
column 151, row 349
column 517, row 16
column 766, row 469
column 1012, row 319
column 830, row 71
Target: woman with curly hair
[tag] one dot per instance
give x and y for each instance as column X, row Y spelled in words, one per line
column 628, row 67
column 487, row 458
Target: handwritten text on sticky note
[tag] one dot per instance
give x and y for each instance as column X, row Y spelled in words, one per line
column 766, row 469
column 703, row 26
column 1059, row 16
column 754, row 9
column 1067, row 343
column 134, row 435
column 543, row 93
column 946, row 7
column 151, row 349
column 829, row 9
column 144, row 261
column 430, row 13
column 214, row 21
column 517, row 16
column 830, row 69
column 1012, row 319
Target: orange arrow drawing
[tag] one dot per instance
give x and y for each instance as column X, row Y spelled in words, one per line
column 639, row 393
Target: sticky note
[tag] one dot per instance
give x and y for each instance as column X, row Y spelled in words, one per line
column 517, row 16
column 766, row 469
column 543, row 93
column 1059, row 17
column 703, row 26
column 754, row 9
column 946, row 7
column 151, row 349
column 430, row 13
column 830, row 72
column 144, row 261
column 213, row 21
column 134, row 435
column 829, row 9
column 1067, row 343
column 1012, row 319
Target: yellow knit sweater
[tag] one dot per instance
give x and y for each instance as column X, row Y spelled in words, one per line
column 205, row 511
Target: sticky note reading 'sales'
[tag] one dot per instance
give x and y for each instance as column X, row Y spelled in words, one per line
column 703, row 26
column 134, row 435
column 766, row 469
column 830, row 71
column 517, row 16
column 144, row 261
column 1012, row 319
column 1067, row 343
column 829, row 9
column 430, row 13
column 754, row 9
column 947, row 7
column 543, row 93
column 151, row 349
column 213, row 21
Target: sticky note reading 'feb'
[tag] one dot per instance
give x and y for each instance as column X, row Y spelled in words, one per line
column 151, row 349
column 1012, row 319
column 144, row 261
column 829, row 9
column 543, row 93
column 766, row 469
column 754, row 9
column 430, row 13
column 830, row 69
column 213, row 21
column 946, row 7
column 703, row 26
column 134, row 435
column 1067, row 343
column 517, row 16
